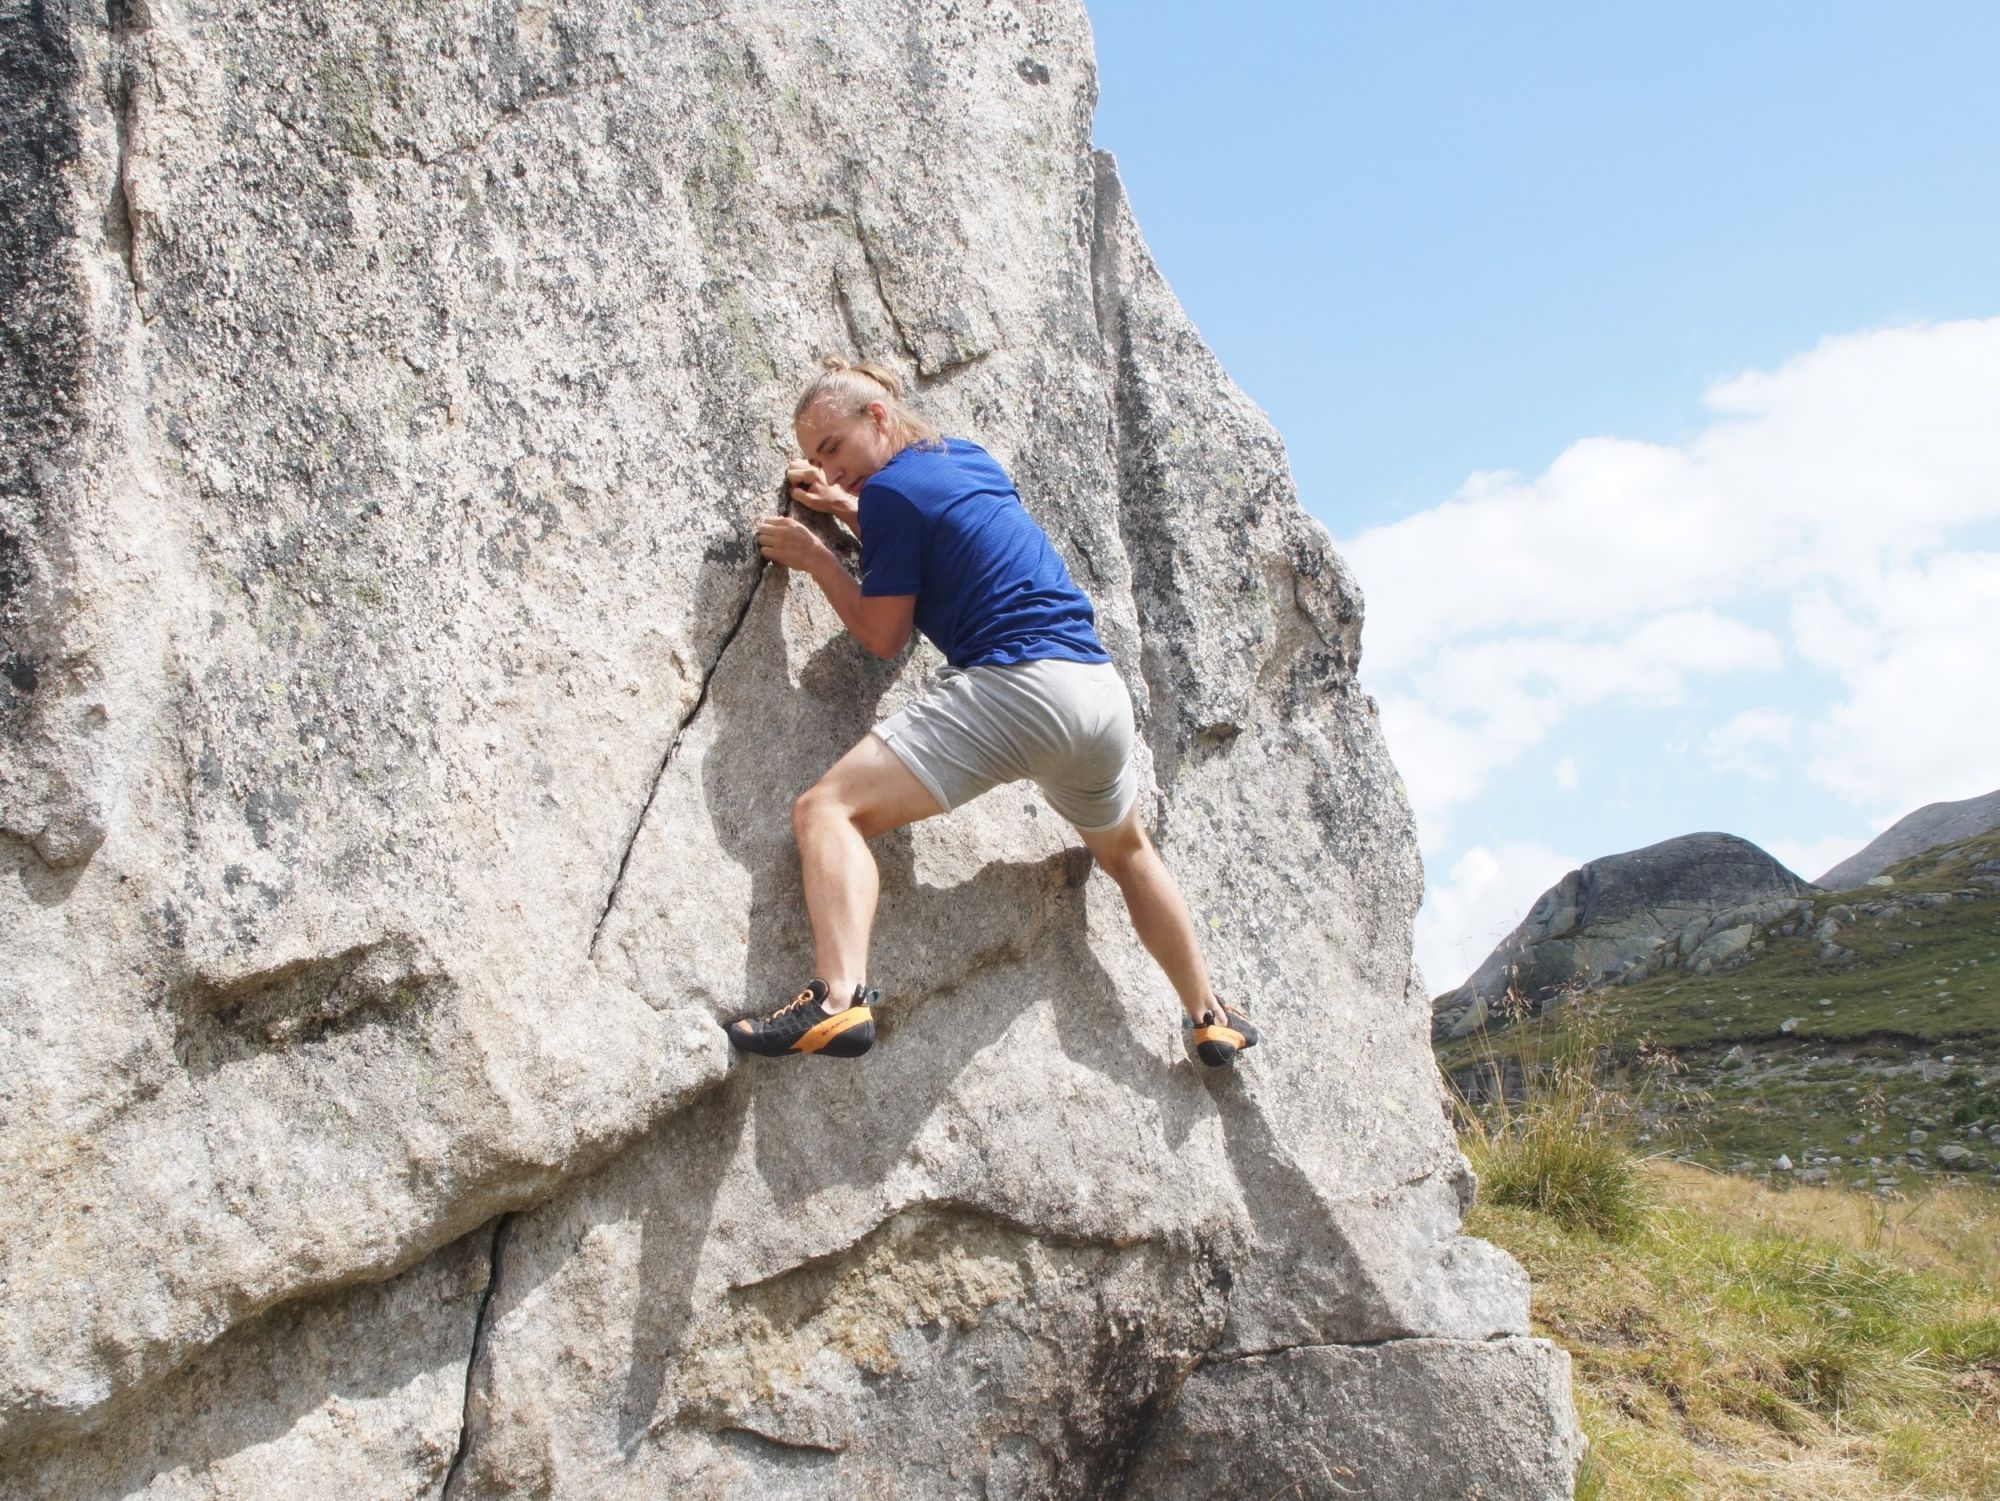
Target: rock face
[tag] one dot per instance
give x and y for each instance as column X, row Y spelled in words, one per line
column 1927, row 828
column 1696, row 902
column 399, row 732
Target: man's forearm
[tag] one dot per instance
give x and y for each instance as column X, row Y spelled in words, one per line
column 841, row 588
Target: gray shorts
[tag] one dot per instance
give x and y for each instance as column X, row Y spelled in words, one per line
column 1065, row 726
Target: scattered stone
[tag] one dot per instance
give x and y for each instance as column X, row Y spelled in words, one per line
column 1783, row 1164
column 1881, row 880
column 1789, row 1025
column 1955, row 1157
column 1722, row 949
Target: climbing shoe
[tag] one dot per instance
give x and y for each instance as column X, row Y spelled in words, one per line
column 800, row 1026
column 1220, row 1034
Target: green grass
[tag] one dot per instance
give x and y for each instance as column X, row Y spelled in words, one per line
column 1563, row 1153
column 1748, row 1342
column 1728, row 1339
column 1740, row 1341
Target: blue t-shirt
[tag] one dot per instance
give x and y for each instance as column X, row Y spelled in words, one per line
column 945, row 525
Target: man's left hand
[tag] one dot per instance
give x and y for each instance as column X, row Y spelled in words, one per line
column 789, row 543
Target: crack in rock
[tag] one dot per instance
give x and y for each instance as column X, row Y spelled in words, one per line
column 480, row 1331
column 1233, row 1356
column 882, row 293
column 673, row 749
column 796, row 1446
column 125, row 24
column 507, row 117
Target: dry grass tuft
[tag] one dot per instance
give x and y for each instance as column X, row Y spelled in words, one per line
column 1744, row 1341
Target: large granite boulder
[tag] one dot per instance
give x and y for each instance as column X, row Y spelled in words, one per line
column 399, row 730
column 1698, row 902
column 1927, row 828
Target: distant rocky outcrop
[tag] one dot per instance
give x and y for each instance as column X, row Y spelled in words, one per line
column 1930, row 826
column 1694, row 902
column 397, row 735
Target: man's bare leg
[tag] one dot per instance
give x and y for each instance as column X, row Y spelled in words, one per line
column 1159, row 913
column 866, row 792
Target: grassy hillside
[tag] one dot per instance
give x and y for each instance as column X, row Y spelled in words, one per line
column 1735, row 1341
column 1858, row 1046
column 1731, row 1338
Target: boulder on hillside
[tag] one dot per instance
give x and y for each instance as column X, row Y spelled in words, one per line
column 398, row 729
column 1696, row 901
column 1912, row 834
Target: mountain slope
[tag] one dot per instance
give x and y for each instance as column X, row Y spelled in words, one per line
column 1622, row 917
column 1927, row 828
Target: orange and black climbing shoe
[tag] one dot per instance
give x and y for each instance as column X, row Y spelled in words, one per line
column 801, row 1026
column 1220, row 1035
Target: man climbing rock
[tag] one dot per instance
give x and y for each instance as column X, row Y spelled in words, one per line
column 1029, row 693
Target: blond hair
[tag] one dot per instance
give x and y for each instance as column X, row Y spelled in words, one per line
column 850, row 389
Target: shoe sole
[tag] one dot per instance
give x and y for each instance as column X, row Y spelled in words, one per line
column 845, row 1034
column 1219, row 1045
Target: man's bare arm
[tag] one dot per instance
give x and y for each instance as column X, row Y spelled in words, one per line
column 882, row 623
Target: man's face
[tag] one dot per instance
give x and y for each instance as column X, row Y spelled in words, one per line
column 848, row 449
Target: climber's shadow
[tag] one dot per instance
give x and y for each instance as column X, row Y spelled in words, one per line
column 683, row 1171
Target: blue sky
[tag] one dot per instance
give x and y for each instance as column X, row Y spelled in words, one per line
column 1687, row 317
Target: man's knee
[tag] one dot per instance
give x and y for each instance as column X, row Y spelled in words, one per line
column 816, row 804
column 1120, row 851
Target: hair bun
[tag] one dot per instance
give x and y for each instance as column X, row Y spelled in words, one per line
column 882, row 375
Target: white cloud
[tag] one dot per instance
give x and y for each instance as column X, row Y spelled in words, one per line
column 1486, row 893
column 1745, row 744
column 1621, row 573
column 1871, row 445
column 1473, row 709
column 1445, row 761
column 1812, row 858
column 1921, row 719
column 1845, row 485
column 1567, row 776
